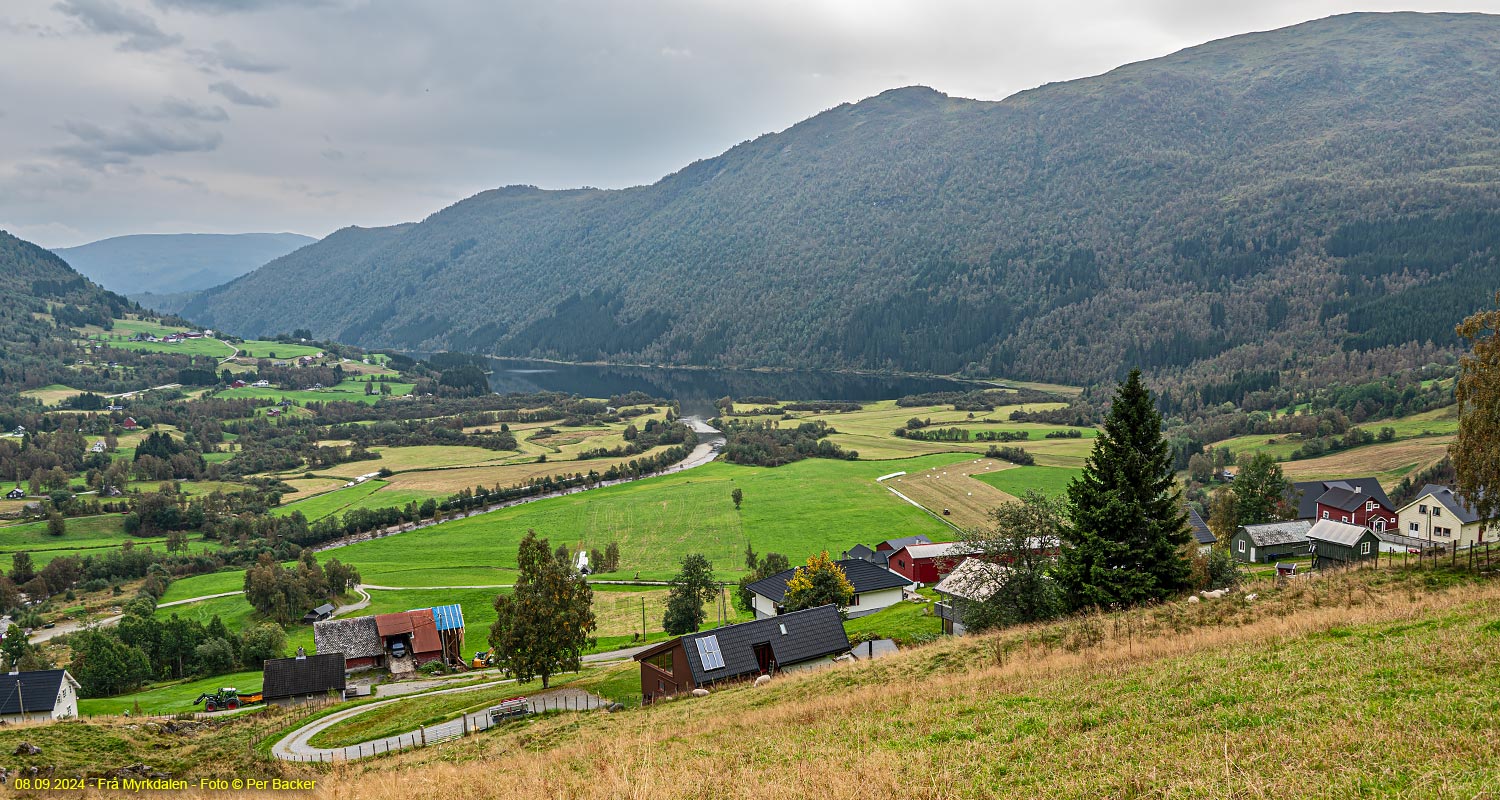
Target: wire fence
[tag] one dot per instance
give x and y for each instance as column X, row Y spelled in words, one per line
column 450, row 731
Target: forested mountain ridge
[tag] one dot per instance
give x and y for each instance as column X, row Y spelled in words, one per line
column 154, row 265
column 43, row 297
column 1255, row 202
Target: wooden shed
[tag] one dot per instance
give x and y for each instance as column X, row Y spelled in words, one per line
column 1336, row 544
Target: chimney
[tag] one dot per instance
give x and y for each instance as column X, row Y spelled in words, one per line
column 301, row 653
column 1358, row 489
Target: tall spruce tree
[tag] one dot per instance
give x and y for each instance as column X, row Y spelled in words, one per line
column 1126, row 541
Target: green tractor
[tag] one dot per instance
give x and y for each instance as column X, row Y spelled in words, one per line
column 227, row 698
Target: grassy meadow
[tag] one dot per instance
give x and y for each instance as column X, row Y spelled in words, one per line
column 172, row 697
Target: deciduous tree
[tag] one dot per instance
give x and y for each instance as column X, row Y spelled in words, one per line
column 1476, row 459
column 820, row 582
column 1017, row 546
column 545, row 624
column 692, row 587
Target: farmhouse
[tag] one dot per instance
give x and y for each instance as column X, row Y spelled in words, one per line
column 926, row 563
column 15, row 494
column 1439, row 516
column 1305, row 496
column 1352, row 505
column 1201, row 533
column 237, row 384
column 1335, row 544
column 41, row 695
column 303, row 677
column 1270, row 541
column 357, row 638
column 875, row 587
column 130, row 424
column 973, row 581
column 762, row 647
column 261, row 384
column 97, row 447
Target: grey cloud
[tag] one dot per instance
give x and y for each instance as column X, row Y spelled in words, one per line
column 231, row 6
column 228, row 56
column 112, row 19
column 235, row 94
column 188, row 109
column 98, row 147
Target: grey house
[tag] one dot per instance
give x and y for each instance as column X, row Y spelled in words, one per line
column 1267, row 542
column 1337, row 544
column 1201, row 533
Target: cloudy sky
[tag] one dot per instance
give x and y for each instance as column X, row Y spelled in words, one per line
column 158, row 116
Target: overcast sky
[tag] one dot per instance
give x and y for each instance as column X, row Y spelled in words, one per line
column 161, row 116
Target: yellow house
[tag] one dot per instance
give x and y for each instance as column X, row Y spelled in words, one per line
column 1441, row 517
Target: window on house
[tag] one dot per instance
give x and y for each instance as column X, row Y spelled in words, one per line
column 1437, row 511
column 1242, row 545
column 855, row 602
column 1370, row 505
column 1421, row 509
column 1364, row 549
column 1416, row 527
column 1346, row 517
column 1325, row 515
column 662, row 661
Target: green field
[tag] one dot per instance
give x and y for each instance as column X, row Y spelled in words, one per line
column 349, row 391
column 906, row 622
column 202, row 585
column 189, row 347
column 175, row 697
column 1051, row 481
column 256, row 348
column 84, row 534
column 320, row 506
column 798, row 510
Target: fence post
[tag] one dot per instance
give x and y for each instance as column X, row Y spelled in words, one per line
column 424, row 735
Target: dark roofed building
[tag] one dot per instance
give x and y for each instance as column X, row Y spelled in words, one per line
column 303, row 677
column 318, row 614
column 1201, row 532
column 357, row 639
column 1271, row 541
column 863, row 553
column 1304, row 495
column 761, row 647
column 875, row 587
column 39, row 695
column 1335, row 544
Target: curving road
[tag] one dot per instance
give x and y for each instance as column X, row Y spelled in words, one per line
column 295, row 746
column 69, row 626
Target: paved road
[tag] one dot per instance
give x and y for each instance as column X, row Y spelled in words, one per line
column 69, row 626
column 295, row 747
column 142, row 391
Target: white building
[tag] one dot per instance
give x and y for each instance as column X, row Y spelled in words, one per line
column 38, row 696
column 1438, row 516
column 875, row 587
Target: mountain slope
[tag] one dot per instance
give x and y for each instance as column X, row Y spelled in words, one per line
column 1254, row 201
column 42, row 293
column 176, row 263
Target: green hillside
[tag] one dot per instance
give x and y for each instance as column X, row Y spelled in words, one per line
column 1261, row 199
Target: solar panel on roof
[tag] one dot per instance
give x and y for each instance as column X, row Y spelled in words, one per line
column 708, row 652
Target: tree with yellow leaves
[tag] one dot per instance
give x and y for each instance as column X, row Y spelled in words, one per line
column 1476, row 458
column 819, row 583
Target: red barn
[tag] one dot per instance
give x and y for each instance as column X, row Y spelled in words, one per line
column 926, row 563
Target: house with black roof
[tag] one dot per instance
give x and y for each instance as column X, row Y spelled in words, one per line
column 318, row 614
column 15, row 494
column 798, row 640
column 1201, row 533
column 40, row 695
column 303, row 677
column 875, row 587
column 1304, row 495
column 881, row 552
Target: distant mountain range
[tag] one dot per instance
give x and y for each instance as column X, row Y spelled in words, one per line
column 163, row 271
column 1258, row 202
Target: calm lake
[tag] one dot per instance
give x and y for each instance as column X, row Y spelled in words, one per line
column 697, row 389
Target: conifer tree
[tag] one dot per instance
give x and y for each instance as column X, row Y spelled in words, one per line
column 1126, row 541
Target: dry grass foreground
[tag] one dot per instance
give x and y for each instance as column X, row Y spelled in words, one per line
column 1366, row 684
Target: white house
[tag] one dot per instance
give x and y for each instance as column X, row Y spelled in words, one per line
column 875, row 587
column 38, row 696
column 973, row 581
column 1438, row 516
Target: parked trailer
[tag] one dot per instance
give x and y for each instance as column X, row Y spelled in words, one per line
column 514, row 708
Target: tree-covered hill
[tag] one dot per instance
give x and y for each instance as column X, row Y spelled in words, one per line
column 1259, row 201
column 43, row 298
column 154, row 265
